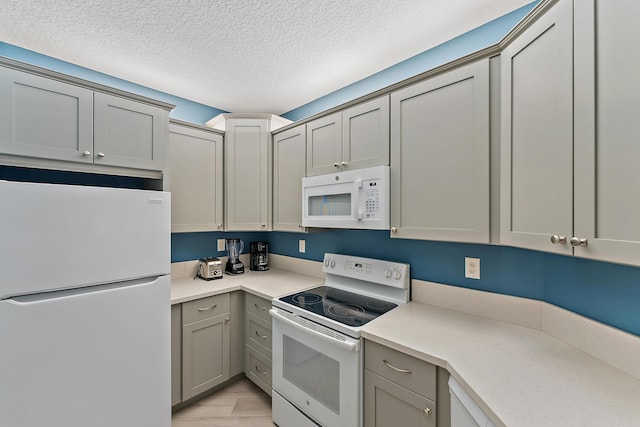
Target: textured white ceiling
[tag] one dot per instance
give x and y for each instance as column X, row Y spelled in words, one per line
column 241, row 56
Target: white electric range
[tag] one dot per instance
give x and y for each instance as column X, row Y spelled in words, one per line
column 317, row 357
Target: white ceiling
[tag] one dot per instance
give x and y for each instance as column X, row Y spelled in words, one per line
column 241, row 56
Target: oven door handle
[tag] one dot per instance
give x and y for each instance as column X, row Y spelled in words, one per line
column 350, row 345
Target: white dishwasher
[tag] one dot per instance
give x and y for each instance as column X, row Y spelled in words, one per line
column 465, row 412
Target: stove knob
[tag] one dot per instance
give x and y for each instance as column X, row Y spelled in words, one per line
column 398, row 275
column 387, row 273
column 332, row 263
column 326, row 262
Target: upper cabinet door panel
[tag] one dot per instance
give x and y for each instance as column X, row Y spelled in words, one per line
column 45, row 118
column 288, row 170
column 127, row 133
column 537, row 134
column 607, row 176
column 440, row 157
column 365, row 134
column 324, row 142
column 195, row 161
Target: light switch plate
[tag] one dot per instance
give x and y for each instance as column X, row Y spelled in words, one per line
column 301, row 246
column 472, row 268
column 221, row 245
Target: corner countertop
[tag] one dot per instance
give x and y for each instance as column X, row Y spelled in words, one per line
column 265, row 284
column 519, row 376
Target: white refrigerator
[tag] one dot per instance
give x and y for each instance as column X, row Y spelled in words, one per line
column 84, row 306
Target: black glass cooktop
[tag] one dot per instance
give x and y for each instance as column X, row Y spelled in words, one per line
column 342, row 306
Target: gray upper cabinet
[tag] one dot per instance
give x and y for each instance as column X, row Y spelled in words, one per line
column 247, row 175
column 45, row 118
column 440, row 157
column 128, row 133
column 53, row 121
column 606, row 206
column 196, row 178
column 354, row 138
column 288, row 170
column 537, row 134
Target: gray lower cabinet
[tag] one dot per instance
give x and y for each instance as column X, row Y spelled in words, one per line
column 439, row 148
column 400, row 390
column 258, row 341
column 205, row 344
column 45, row 119
column 195, row 178
column 176, row 354
column 288, row 169
column 355, row 138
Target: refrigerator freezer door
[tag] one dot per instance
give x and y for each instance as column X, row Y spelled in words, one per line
column 90, row 357
column 63, row 236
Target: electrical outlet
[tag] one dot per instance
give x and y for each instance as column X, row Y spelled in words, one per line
column 301, row 246
column 472, row 268
column 221, row 244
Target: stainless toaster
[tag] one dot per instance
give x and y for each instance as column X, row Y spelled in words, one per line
column 209, row 268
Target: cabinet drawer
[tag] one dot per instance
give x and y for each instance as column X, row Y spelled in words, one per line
column 258, row 368
column 204, row 308
column 258, row 334
column 258, row 306
column 407, row 371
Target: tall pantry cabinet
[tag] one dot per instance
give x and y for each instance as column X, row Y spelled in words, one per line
column 569, row 131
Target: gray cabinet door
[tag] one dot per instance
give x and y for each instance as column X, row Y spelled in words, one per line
column 288, row 170
column 45, row 118
column 324, row 144
column 176, row 354
column 365, row 134
column 537, row 134
column 248, row 175
column 195, row 164
column 607, row 209
column 236, row 332
column 440, row 157
column 387, row 404
column 205, row 355
column 128, row 133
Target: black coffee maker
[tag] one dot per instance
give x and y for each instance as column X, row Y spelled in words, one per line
column 259, row 256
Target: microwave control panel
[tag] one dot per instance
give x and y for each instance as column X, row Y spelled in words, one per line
column 372, row 192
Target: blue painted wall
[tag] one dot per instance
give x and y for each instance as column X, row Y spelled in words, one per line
column 472, row 41
column 185, row 110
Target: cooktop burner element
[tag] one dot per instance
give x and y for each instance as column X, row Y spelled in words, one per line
column 342, row 306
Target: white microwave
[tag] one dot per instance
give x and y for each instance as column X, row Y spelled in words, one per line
column 351, row 199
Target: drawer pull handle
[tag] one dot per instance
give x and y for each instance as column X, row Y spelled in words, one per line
column 260, row 307
column 208, row 308
column 404, row 371
column 264, row 337
column 260, row 372
column 427, row 412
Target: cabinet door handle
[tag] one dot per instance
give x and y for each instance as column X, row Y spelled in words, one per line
column 86, row 153
column 404, row 371
column 555, row 239
column 264, row 337
column 260, row 372
column 227, row 320
column 394, row 229
column 101, row 155
column 344, row 164
column 260, row 307
column 220, row 226
column 208, row 308
column 336, row 165
column 427, row 412
column 576, row 241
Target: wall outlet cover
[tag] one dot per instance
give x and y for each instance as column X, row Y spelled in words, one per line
column 221, row 245
column 301, row 246
column 472, row 268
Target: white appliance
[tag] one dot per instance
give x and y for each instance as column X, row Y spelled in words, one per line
column 317, row 357
column 465, row 412
column 84, row 306
column 351, row 199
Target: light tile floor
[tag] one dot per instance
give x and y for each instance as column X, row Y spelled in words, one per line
column 242, row 404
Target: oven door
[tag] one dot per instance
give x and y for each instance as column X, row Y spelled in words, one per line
column 316, row 369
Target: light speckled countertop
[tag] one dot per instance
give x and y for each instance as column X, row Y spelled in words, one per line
column 265, row 284
column 519, row 376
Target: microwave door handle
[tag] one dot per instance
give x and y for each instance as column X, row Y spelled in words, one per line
column 349, row 346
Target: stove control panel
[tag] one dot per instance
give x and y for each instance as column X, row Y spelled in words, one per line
column 366, row 269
